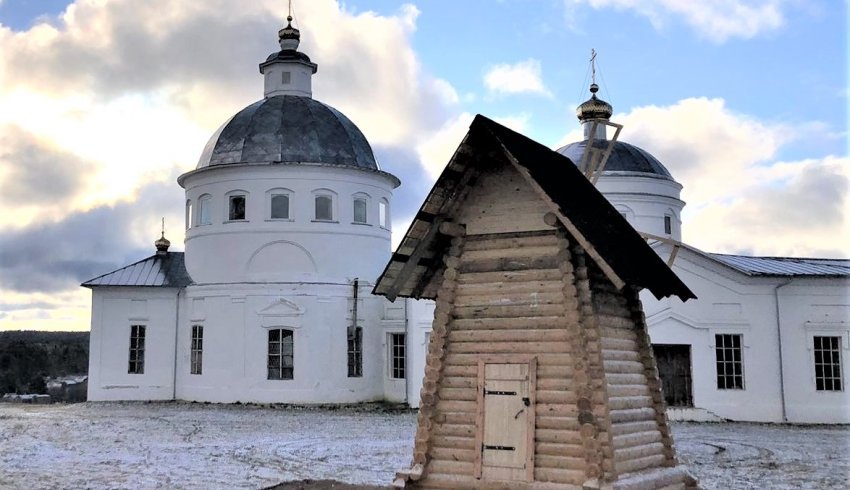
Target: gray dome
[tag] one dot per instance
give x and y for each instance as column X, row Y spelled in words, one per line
column 289, row 129
column 624, row 158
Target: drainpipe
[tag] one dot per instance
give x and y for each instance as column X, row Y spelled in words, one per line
column 779, row 342
column 176, row 336
column 352, row 330
column 408, row 353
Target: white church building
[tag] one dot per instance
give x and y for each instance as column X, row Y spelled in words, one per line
column 288, row 227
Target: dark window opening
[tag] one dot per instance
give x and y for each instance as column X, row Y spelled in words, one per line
column 237, row 208
column 668, row 225
column 197, row 350
column 137, row 350
column 674, row 369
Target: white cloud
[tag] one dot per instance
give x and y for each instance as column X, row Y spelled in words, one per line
column 717, row 20
column 126, row 93
column 521, row 77
column 739, row 198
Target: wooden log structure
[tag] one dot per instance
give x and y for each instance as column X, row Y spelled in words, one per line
column 539, row 373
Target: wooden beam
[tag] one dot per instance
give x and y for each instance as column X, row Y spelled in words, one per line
column 413, row 260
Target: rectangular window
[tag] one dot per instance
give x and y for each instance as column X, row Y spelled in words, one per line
column 237, row 208
column 359, row 210
column 137, row 349
column 324, row 208
column 730, row 363
column 204, row 217
column 355, row 352
column 286, row 77
column 382, row 214
column 397, row 355
column 197, row 350
column 280, row 354
column 668, row 225
column 828, row 363
column 280, row 206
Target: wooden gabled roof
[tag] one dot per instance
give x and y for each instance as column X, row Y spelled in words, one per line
column 591, row 220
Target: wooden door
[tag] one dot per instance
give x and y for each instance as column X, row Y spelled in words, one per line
column 505, row 429
column 674, row 370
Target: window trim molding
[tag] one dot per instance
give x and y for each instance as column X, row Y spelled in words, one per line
column 334, row 197
column 279, row 191
column 205, row 197
column 386, row 223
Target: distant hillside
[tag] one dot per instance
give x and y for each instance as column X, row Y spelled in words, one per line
column 26, row 357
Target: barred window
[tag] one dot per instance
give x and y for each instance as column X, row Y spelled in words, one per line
column 397, row 355
column 828, row 363
column 355, row 352
column 730, row 364
column 197, row 350
column 280, row 365
column 137, row 350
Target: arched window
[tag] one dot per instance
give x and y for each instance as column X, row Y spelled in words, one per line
column 279, row 203
column 204, row 203
column 360, row 204
column 280, row 206
column 383, row 213
column 237, row 205
column 281, row 354
column 188, row 214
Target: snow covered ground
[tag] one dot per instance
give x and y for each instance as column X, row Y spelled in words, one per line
column 184, row 445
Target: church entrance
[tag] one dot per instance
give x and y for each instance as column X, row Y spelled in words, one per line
column 674, row 369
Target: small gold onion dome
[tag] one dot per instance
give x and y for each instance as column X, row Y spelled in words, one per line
column 162, row 244
column 594, row 108
column 289, row 36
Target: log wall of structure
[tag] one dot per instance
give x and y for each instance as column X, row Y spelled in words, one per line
column 635, row 412
column 513, row 289
column 509, row 299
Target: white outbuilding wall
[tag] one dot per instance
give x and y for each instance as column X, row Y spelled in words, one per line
column 114, row 312
column 730, row 302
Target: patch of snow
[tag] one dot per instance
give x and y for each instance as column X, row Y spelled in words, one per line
column 185, row 445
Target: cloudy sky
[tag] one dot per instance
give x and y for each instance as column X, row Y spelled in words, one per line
column 103, row 103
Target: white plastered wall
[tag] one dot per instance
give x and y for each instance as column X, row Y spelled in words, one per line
column 114, row 310
column 733, row 303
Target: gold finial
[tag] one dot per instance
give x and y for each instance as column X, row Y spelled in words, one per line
column 162, row 243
